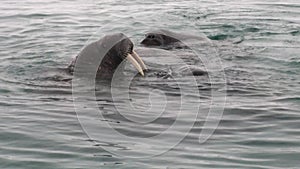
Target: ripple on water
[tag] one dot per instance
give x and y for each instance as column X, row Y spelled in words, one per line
column 258, row 45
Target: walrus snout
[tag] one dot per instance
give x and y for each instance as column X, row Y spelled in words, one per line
column 152, row 40
column 126, row 51
column 124, row 47
column 162, row 38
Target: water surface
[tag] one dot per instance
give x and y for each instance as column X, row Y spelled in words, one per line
column 258, row 46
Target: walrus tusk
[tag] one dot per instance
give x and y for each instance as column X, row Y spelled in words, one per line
column 135, row 64
column 139, row 60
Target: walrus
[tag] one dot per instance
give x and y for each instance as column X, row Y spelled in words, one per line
column 168, row 40
column 122, row 49
column 165, row 39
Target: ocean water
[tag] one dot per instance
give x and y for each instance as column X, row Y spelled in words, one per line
column 254, row 48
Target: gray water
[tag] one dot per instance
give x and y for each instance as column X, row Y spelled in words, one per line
column 258, row 47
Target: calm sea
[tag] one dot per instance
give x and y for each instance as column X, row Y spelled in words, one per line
column 257, row 96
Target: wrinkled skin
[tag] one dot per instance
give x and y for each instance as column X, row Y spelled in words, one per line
column 112, row 59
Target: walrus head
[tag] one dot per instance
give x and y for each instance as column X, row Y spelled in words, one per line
column 123, row 49
column 118, row 47
column 159, row 38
